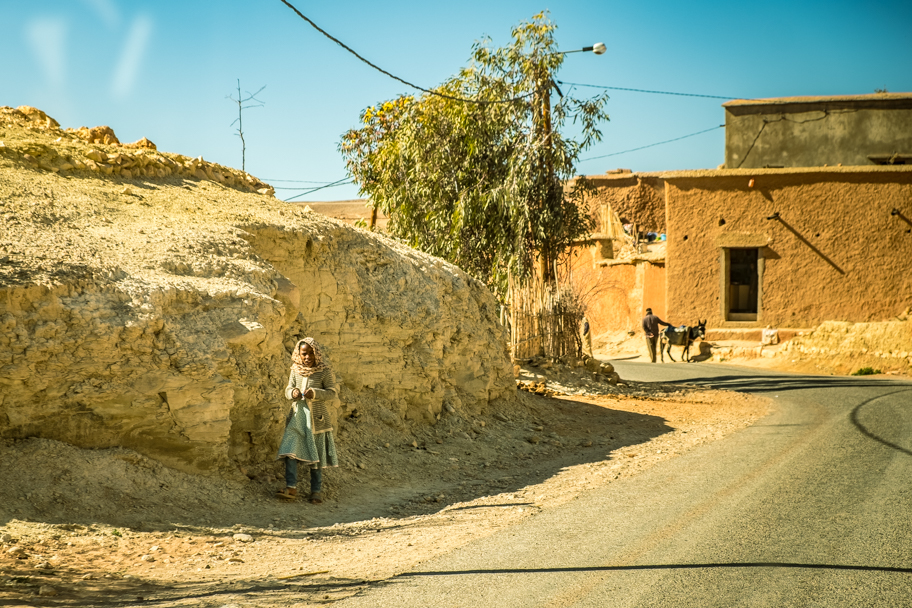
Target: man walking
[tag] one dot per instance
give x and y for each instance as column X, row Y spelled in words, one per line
column 587, row 338
column 651, row 329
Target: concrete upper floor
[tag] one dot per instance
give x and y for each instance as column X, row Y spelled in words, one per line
column 849, row 130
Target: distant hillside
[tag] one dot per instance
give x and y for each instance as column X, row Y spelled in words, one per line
column 350, row 212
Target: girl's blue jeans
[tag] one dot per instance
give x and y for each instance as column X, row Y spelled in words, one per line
column 291, row 476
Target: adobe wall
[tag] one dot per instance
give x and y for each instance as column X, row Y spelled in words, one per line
column 837, row 253
column 616, row 295
column 639, row 198
column 653, row 277
column 617, row 291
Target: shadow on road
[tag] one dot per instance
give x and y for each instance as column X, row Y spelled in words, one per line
column 778, row 383
column 768, row 383
column 661, row 567
column 494, row 506
column 870, row 434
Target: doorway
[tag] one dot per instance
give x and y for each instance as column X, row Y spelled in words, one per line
column 742, row 284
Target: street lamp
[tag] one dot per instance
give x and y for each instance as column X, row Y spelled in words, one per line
column 598, row 48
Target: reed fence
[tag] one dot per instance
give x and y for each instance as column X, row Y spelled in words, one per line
column 544, row 319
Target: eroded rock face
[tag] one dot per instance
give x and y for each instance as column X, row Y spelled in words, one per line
column 95, row 135
column 159, row 316
column 97, row 150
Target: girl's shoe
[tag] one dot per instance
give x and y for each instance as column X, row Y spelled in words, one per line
column 316, row 498
column 287, row 494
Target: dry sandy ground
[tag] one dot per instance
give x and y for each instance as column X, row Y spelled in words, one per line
column 109, row 527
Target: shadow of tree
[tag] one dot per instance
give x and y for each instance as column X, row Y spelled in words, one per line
column 70, row 588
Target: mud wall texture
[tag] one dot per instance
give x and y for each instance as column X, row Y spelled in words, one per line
column 836, row 251
column 616, row 295
column 847, row 347
column 158, row 314
column 637, row 198
column 616, row 290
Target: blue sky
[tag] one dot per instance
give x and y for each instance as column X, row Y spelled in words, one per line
column 163, row 69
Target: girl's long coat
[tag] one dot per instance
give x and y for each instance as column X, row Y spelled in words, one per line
column 308, row 432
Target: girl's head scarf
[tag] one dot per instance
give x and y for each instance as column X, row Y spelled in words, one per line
column 297, row 362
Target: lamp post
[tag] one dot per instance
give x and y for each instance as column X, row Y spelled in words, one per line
column 598, row 48
column 546, row 258
column 540, row 294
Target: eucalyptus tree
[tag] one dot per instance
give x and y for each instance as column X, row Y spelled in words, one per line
column 475, row 170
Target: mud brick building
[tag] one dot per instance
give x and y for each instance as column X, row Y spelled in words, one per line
column 808, row 220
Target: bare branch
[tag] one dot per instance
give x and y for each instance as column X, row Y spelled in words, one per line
column 240, row 101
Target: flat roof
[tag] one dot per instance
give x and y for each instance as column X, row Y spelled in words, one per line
column 686, row 173
column 819, row 99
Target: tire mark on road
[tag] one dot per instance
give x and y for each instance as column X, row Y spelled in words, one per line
column 672, row 529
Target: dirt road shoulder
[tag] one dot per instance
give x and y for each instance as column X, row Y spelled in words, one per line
column 457, row 482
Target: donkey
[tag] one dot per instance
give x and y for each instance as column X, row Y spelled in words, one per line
column 680, row 336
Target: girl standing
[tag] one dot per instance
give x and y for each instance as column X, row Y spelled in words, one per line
column 308, row 434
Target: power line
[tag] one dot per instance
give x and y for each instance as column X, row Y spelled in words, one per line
column 598, row 86
column 667, row 141
column 342, row 182
column 393, row 76
column 295, row 188
column 294, row 181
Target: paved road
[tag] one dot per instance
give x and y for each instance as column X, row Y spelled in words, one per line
column 810, row 506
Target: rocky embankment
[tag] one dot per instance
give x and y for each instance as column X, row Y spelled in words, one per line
column 847, row 347
column 98, row 151
column 149, row 301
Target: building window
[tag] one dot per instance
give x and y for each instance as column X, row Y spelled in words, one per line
column 742, row 269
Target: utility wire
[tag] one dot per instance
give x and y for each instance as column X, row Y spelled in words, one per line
column 393, row 76
column 295, row 188
column 345, row 181
column 598, row 86
column 667, row 141
column 294, row 181
column 342, row 182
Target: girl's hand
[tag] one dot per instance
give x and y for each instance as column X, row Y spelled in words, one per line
column 309, row 394
column 295, row 394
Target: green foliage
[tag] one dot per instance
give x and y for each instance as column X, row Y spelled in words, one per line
column 482, row 184
column 116, row 532
column 866, row 371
